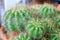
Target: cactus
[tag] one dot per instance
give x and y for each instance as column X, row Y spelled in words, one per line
column 38, row 22
column 49, row 24
column 55, row 35
column 47, row 10
column 57, row 21
column 44, row 38
column 15, row 18
column 35, row 10
column 36, row 7
column 22, row 36
column 42, row 11
column 35, row 29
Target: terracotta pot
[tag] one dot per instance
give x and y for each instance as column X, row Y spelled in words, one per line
column 2, row 35
column 58, row 7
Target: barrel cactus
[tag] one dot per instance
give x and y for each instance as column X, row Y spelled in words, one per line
column 57, row 21
column 42, row 11
column 35, row 9
column 38, row 22
column 14, row 18
column 44, row 38
column 49, row 24
column 21, row 36
column 55, row 35
column 47, row 10
column 35, row 29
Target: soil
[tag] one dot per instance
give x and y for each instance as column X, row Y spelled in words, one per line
column 2, row 35
column 58, row 7
column 6, row 36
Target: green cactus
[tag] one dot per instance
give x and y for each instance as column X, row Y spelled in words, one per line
column 15, row 18
column 42, row 11
column 47, row 10
column 37, row 22
column 35, row 29
column 22, row 36
column 57, row 21
column 49, row 24
column 55, row 35
column 36, row 7
column 44, row 38
column 35, row 11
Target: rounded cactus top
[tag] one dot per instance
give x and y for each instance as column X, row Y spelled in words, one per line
column 21, row 36
column 15, row 18
column 47, row 10
column 35, row 29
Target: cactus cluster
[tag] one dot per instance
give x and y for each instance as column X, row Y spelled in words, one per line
column 38, row 22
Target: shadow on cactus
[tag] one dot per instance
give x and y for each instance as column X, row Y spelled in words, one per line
column 14, row 18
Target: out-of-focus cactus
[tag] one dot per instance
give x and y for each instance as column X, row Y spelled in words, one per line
column 57, row 21
column 14, row 18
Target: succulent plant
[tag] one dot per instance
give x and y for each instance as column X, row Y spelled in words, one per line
column 35, row 10
column 37, row 22
column 55, row 35
column 35, row 29
column 15, row 18
column 44, row 38
column 57, row 21
column 21, row 36
column 47, row 10
column 49, row 24
column 36, row 7
column 42, row 11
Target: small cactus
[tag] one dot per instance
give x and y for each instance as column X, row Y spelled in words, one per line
column 55, row 35
column 49, row 24
column 21, row 36
column 47, row 10
column 35, row 29
column 57, row 21
column 35, row 9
